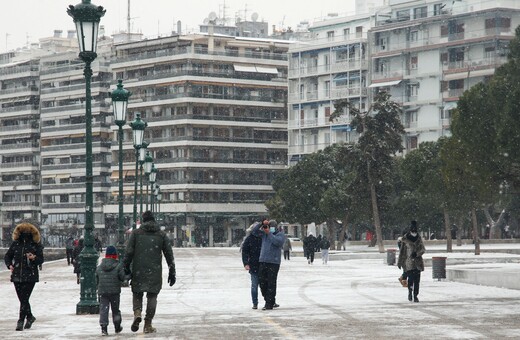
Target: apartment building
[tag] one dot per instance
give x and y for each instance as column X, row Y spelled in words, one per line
column 19, row 140
column 331, row 64
column 427, row 53
column 216, row 108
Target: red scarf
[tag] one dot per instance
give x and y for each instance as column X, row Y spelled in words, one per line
column 111, row 257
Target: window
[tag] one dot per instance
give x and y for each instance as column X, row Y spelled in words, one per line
column 420, row 12
column 489, row 52
column 413, row 142
column 403, row 15
column 437, row 9
column 413, row 62
column 414, row 36
column 383, row 42
column 327, row 112
column 346, row 33
column 330, row 35
column 359, row 31
column 327, row 88
column 413, row 90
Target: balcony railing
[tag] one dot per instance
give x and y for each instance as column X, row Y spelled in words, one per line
column 218, row 96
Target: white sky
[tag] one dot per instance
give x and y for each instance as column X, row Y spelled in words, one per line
column 28, row 20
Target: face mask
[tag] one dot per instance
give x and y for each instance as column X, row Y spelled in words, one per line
column 413, row 234
column 272, row 229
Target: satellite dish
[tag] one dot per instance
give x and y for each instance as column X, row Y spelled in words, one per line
column 254, row 17
column 206, row 21
column 212, row 16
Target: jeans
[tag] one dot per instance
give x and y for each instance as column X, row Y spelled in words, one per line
column 414, row 279
column 267, row 277
column 105, row 303
column 151, row 304
column 254, row 288
column 24, row 291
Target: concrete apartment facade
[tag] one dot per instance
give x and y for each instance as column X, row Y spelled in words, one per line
column 425, row 53
column 216, row 109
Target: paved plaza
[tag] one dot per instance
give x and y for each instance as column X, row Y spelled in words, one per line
column 356, row 298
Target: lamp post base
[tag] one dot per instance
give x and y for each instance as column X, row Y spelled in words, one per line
column 86, row 308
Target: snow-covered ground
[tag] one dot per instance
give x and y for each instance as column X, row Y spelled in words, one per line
column 358, row 298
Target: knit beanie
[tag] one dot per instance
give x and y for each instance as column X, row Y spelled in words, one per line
column 148, row 216
column 111, row 252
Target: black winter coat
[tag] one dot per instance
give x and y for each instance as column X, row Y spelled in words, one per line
column 75, row 256
column 26, row 239
column 251, row 252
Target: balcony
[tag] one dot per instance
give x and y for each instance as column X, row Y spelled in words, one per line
column 387, row 75
column 216, row 96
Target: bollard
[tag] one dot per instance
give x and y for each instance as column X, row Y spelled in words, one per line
column 390, row 256
column 439, row 267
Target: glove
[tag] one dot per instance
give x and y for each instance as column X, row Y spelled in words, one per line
column 414, row 255
column 171, row 276
column 128, row 274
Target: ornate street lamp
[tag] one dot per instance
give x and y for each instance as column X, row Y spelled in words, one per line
column 119, row 104
column 142, row 159
column 86, row 16
column 148, row 164
column 152, row 177
column 138, row 125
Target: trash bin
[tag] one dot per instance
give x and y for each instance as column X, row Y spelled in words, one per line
column 390, row 256
column 439, row 267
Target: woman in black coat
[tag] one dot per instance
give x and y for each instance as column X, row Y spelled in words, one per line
column 76, row 259
column 23, row 258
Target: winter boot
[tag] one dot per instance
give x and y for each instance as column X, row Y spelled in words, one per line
column 104, row 331
column 19, row 325
column 415, row 299
column 29, row 322
column 148, row 326
column 118, row 329
column 137, row 320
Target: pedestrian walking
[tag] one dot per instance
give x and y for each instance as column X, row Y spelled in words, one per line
column 22, row 258
column 109, row 276
column 69, row 248
column 410, row 259
column 309, row 244
column 287, row 248
column 317, row 244
column 143, row 263
column 324, row 246
column 270, row 258
column 76, row 259
column 251, row 259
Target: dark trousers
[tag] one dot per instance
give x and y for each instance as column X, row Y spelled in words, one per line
column 310, row 255
column 24, row 291
column 69, row 256
column 267, row 276
column 106, row 302
column 414, row 279
column 151, row 304
column 286, row 255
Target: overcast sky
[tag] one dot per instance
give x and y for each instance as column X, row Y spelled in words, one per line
column 28, row 20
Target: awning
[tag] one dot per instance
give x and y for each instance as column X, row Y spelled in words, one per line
column 387, row 83
column 481, row 73
column 245, row 68
column 62, row 175
column 455, row 76
column 267, row 69
column 450, row 105
column 49, row 176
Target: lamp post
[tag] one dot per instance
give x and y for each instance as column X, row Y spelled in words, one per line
column 138, row 125
column 86, row 16
column 120, row 104
column 156, row 192
column 142, row 159
column 152, row 177
column 148, row 164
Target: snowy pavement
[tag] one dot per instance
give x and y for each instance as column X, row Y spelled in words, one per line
column 358, row 298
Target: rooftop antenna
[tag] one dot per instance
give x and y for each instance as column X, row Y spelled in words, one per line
column 128, row 20
column 6, row 37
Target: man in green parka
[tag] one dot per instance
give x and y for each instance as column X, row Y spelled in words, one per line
column 143, row 262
